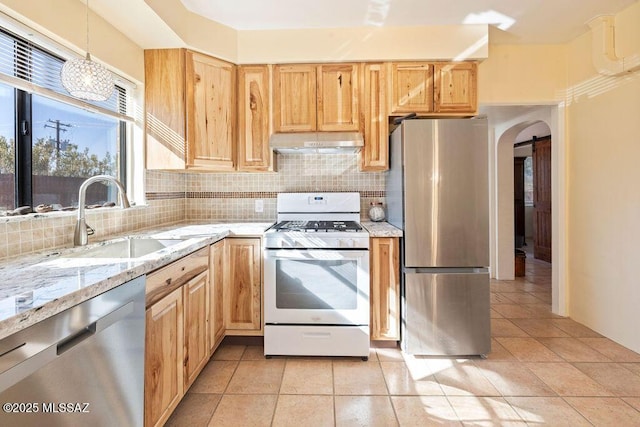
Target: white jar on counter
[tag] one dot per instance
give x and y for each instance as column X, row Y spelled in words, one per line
column 376, row 212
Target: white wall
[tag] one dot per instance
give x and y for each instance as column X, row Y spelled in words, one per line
column 604, row 201
column 457, row 42
column 64, row 21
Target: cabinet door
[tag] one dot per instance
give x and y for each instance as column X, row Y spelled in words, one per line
column 294, row 102
column 243, row 294
column 385, row 288
column 164, row 103
column 337, row 101
column 253, row 118
column 411, row 87
column 216, row 300
column 210, row 98
column 163, row 379
column 455, row 88
column 374, row 124
column 196, row 314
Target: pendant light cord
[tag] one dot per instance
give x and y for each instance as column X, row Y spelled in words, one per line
column 87, row 16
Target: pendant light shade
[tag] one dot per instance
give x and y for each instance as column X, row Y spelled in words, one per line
column 86, row 79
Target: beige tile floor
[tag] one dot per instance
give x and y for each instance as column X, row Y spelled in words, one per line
column 543, row 370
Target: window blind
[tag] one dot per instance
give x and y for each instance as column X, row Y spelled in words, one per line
column 35, row 70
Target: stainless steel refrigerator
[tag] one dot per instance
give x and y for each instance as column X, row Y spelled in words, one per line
column 437, row 192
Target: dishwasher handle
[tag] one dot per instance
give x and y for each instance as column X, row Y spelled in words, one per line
column 31, row 358
column 101, row 324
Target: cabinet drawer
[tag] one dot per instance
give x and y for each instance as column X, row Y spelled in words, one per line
column 163, row 281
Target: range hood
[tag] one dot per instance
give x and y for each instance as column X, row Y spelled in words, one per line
column 317, row 142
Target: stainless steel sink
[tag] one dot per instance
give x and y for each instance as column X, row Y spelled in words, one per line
column 127, row 248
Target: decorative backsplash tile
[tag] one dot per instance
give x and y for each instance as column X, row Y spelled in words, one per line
column 231, row 196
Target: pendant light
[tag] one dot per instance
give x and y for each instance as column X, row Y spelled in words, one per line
column 86, row 79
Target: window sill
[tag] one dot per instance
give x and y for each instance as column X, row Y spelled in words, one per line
column 4, row 218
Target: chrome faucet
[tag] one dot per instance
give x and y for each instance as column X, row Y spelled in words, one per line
column 81, row 235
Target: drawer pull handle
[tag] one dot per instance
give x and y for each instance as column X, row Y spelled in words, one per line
column 168, row 281
column 183, row 268
column 316, row 335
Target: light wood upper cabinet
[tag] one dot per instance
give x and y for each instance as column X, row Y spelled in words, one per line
column 254, row 92
column 216, row 300
column 294, row 101
column 190, row 111
column 164, row 373
column 374, row 124
column 311, row 98
column 243, row 292
column 210, row 100
column 164, row 98
column 456, row 87
column 337, row 101
column 411, row 87
column 196, row 316
column 385, row 288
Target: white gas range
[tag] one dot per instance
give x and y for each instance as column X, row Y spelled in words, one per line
column 316, row 279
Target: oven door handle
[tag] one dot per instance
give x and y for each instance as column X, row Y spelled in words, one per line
column 318, row 254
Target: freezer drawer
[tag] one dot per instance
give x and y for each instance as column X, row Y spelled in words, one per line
column 446, row 314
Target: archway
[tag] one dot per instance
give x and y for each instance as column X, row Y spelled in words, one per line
column 505, row 124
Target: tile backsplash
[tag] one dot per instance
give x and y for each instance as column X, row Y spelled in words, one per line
column 231, row 196
column 174, row 197
column 34, row 233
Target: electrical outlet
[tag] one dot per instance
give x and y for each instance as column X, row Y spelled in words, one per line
column 259, row 206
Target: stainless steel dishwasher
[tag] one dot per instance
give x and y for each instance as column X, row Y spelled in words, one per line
column 83, row 366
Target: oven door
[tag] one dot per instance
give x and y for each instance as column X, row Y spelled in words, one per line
column 316, row 286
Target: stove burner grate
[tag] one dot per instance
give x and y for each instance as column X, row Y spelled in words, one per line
column 318, row 226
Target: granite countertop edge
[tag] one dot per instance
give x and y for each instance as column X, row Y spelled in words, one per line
column 48, row 282
column 381, row 229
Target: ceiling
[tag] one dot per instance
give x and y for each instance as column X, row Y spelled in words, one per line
column 512, row 21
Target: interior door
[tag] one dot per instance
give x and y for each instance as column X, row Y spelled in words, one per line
column 542, row 199
column 518, row 200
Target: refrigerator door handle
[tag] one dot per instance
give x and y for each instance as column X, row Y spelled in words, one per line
column 445, row 270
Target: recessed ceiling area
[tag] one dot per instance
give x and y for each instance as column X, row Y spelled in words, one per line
column 512, row 21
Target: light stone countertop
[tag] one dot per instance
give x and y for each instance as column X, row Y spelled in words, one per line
column 381, row 229
column 39, row 286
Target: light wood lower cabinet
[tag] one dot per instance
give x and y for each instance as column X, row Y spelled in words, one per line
column 176, row 333
column 243, row 290
column 216, row 300
column 163, row 379
column 385, row 288
column 196, row 333
column 192, row 304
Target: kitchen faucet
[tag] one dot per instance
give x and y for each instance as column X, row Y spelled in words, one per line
column 80, row 235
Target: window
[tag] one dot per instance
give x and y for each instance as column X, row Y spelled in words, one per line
column 48, row 147
column 70, row 145
column 7, row 148
column 528, row 181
